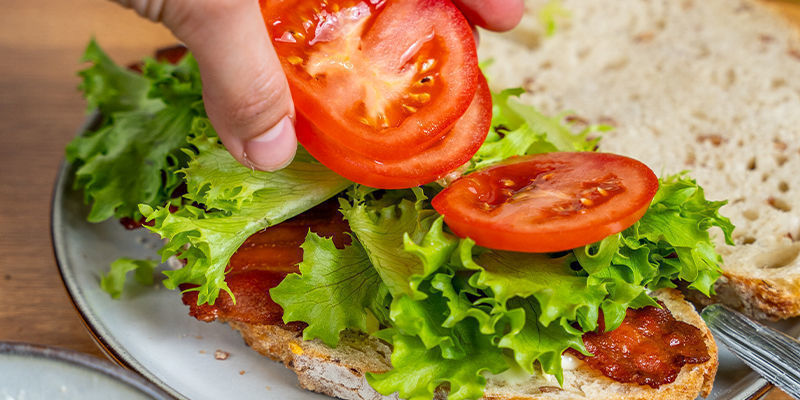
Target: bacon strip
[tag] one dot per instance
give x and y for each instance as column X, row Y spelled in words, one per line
column 262, row 262
column 649, row 348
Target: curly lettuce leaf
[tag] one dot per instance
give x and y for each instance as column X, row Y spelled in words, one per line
column 670, row 242
column 417, row 371
column 516, row 327
column 532, row 342
column 563, row 294
column 215, row 179
column 133, row 156
column 206, row 239
column 425, row 320
column 334, row 290
column 114, row 281
column 127, row 163
column 459, row 294
column 109, row 87
column 395, row 235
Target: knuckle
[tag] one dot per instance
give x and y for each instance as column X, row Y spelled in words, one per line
column 218, row 8
column 187, row 16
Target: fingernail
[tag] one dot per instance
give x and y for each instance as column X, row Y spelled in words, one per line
column 273, row 149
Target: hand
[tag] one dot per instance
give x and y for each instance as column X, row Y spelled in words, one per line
column 244, row 89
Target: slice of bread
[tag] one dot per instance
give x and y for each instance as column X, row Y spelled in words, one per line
column 709, row 86
column 340, row 372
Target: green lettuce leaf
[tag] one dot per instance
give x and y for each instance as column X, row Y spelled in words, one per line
column 563, row 293
column 109, row 88
column 423, row 319
column 531, row 342
column 334, row 290
column 459, row 293
column 114, row 281
column 133, row 156
column 417, row 371
column 206, row 240
column 215, row 179
column 121, row 165
column 670, row 242
column 399, row 239
column 679, row 220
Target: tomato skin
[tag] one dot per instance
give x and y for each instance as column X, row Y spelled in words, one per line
column 386, row 79
column 548, row 202
column 455, row 149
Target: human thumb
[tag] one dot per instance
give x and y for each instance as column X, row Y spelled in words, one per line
column 245, row 90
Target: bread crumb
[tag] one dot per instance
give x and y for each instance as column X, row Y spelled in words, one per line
column 198, row 337
column 268, row 388
column 202, row 352
column 242, row 372
column 221, row 355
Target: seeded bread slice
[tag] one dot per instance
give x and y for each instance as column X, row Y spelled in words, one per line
column 340, row 372
column 709, row 86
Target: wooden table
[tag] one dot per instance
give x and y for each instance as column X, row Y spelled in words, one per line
column 40, row 110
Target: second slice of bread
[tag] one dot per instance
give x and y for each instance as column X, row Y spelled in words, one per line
column 708, row 86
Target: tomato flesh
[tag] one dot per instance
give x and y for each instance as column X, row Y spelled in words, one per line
column 386, row 79
column 452, row 151
column 548, row 202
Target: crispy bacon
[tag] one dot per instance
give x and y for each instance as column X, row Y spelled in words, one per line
column 171, row 54
column 262, row 262
column 649, row 348
column 253, row 304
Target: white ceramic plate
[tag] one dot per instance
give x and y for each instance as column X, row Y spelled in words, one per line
column 37, row 372
column 149, row 329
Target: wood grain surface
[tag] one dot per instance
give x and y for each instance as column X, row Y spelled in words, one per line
column 40, row 110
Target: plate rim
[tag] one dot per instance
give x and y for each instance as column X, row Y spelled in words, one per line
column 85, row 361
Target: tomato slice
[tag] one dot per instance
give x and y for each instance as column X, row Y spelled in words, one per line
column 453, row 150
column 383, row 78
column 548, row 202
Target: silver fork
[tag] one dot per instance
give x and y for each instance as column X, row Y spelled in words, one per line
column 771, row 353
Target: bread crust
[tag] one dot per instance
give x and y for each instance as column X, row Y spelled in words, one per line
column 340, row 372
column 760, row 298
column 710, row 87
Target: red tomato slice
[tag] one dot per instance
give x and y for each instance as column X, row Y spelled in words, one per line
column 452, row 151
column 548, row 202
column 383, row 78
